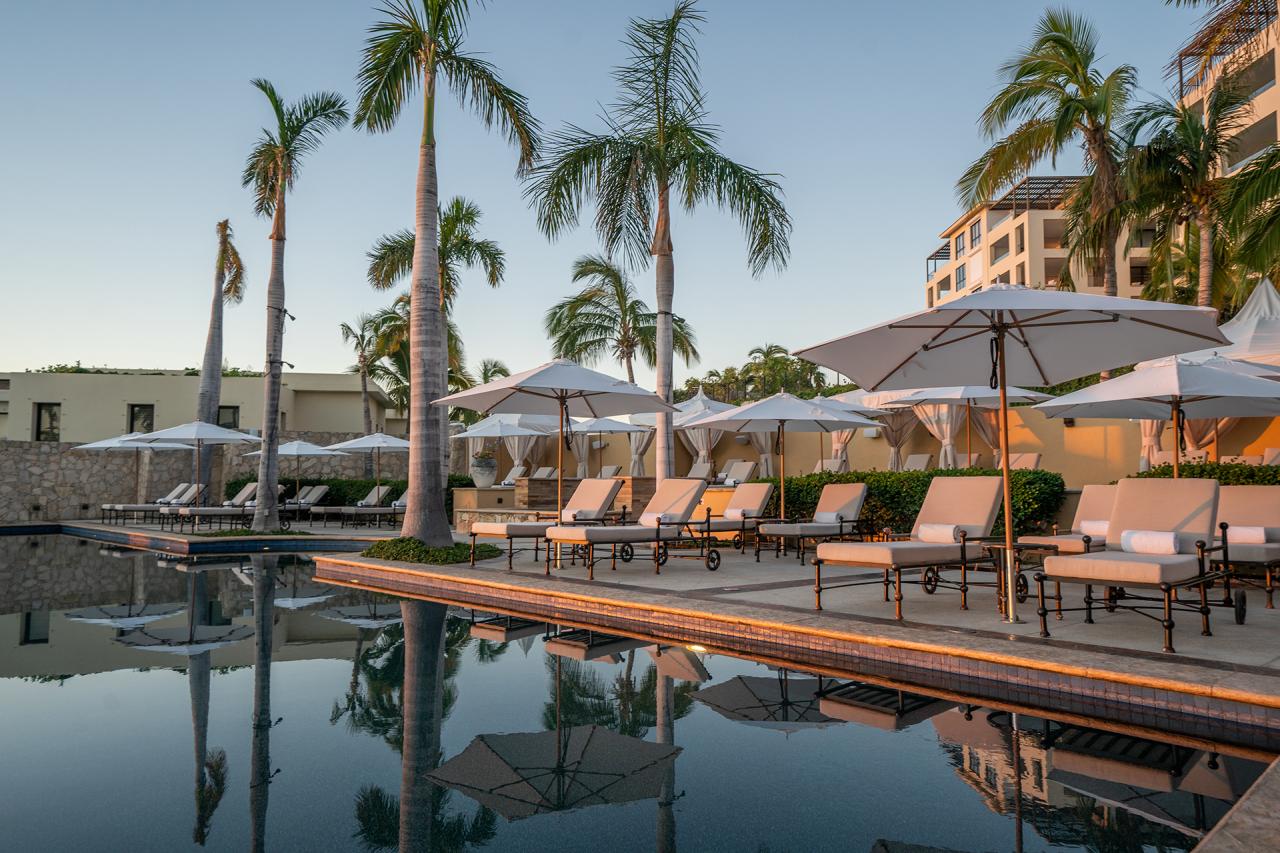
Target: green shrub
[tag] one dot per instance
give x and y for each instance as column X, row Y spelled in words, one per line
column 347, row 492
column 1228, row 474
column 407, row 549
column 894, row 497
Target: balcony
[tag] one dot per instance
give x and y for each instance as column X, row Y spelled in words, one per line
column 1251, row 142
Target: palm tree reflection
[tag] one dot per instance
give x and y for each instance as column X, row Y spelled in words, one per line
column 211, row 765
column 623, row 704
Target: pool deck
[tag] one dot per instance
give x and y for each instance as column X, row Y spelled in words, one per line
column 312, row 538
column 766, row 609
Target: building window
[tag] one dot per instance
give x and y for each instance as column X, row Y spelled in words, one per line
column 1144, row 237
column 975, row 233
column 1139, row 275
column 959, row 244
column 284, row 422
column 229, row 417
column 35, row 628
column 142, row 417
column 1020, row 274
column 48, row 426
column 1020, row 240
column 960, row 277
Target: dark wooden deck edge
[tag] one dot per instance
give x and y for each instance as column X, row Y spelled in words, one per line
column 1251, row 824
column 181, row 544
column 934, row 659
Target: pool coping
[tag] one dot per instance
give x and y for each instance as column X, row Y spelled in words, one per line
column 184, row 544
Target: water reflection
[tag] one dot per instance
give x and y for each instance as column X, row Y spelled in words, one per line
column 260, row 774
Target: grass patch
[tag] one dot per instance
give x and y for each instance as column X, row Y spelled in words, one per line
column 244, row 531
column 407, row 549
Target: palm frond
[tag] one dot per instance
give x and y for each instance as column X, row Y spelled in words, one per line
column 390, row 259
column 390, row 70
column 754, row 197
column 477, row 83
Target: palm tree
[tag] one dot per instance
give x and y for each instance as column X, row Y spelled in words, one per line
column 607, row 317
column 391, row 369
column 1253, row 212
column 491, row 369
column 1176, row 175
column 363, row 337
column 271, row 170
column 658, row 140
column 228, row 286
column 410, row 46
column 1054, row 95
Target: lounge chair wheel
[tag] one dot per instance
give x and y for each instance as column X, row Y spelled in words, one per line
column 662, row 553
column 737, row 541
column 626, row 552
column 1022, row 588
column 284, row 523
column 713, row 560
column 929, row 580
column 1242, row 607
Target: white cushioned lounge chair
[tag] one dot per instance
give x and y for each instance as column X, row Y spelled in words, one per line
column 188, row 496
column 610, row 471
column 376, row 496
column 700, row 471
column 589, row 504
column 739, row 472
column 1089, row 527
column 745, row 508
column 514, row 474
column 836, row 516
column 110, row 511
column 1254, row 513
column 957, row 514
column 918, row 462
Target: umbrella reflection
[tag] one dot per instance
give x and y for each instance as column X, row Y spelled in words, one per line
column 782, row 703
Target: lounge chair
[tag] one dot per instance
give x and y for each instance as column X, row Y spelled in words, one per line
column 375, row 498
column 741, row 514
column 724, row 469
column 700, row 471
column 514, row 474
column 832, row 465
column 1271, row 456
column 1089, row 527
column 190, row 495
column 1149, row 516
column 661, row 525
column 109, row 511
column 918, row 462
column 373, row 516
column 1247, row 459
column 589, row 504
column 307, row 498
column 969, row 460
column 544, row 473
column 880, row 707
column 836, row 516
column 235, row 509
column 1254, row 513
column 610, row 471
column 956, row 516
column 1025, row 461
column 739, row 472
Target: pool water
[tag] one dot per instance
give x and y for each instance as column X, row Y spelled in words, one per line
column 151, row 703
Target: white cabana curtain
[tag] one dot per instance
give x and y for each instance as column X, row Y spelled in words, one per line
column 521, row 448
column 581, row 444
column 640, row 442
column 1151, row 432
column 700, row 442
column 897, row 427
column 986, row 423
column 840, row 448
column 763, row 443
column 943, row 421
column 1199, row 432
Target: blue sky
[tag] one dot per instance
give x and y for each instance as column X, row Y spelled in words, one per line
column 127, row 125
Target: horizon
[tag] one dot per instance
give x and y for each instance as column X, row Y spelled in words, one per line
column 138, row 202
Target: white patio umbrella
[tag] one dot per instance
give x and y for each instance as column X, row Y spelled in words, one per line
column 699, row 441
column 376, row 614
column 599, row 427
column 376, row 444
column 970, row 396
column 189, row 641
column 896, row 424
column 1013, row 334
column 128, row 443
column 777, row 414
column 297, row 450
column 1175, row 387
column 196, row 435
column 780, row 703
column 1254, row 332
column 562, row 388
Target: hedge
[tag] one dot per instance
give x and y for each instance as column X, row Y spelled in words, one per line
column 894, row 497
column 347, row 492
column 1228, row 474
column 406, row 549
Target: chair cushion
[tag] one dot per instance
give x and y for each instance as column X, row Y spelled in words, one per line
column 1068, row 543
column 510, row 529
column 1161, row 542
column 1265, row 552
column 719, row 525
column 1120, row 568
column 1095, row 528
column 826, row 517
column 1247, row 535
column 939, row 533
column 735, row 513
column 808, row 528
column 608, row 534
column 908, row 553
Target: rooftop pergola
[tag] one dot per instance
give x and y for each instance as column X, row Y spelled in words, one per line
column 1221, row 34
column 1037, row 193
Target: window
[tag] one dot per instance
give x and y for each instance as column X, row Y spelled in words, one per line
column 959, row 244
column 229, row 417
column 142, row 417
column 1144, row 237
column 48, row 426
column 35, row 628
column 1139, row 275
column 284, row 423
column 1020, row 240
column 1020, row 274
column 960, row 277
column 975, row 233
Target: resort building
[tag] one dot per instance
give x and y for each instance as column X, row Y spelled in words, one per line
column 84, row 407
column 1020, row 238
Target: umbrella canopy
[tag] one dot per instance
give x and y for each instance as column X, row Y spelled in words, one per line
column 125, row 616
column 378, row 441
column 301, row 448
column 979, row 396
column 129, row 441
column 783, row 703
column 1254, row 332
column 196, row 435
column 373, row 615
column 1014, row 334
column 188, row 641
column 501, row 426
column 521, row 775
column 604, row 425
column 777, row 414
column 695, row 407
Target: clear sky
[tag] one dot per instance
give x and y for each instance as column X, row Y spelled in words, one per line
column 127, row 125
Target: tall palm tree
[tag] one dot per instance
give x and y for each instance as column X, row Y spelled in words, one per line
column 228, row 286
column 1053, row 96
column 270, row 171
column 391, row 369
column 658, row 140
column 1253, row 213
column 412, row 45
column 607, row 317
column 1176, row 175
column 363, row 337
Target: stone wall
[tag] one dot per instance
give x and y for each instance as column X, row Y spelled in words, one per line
column 395, row 466
column 63, row 573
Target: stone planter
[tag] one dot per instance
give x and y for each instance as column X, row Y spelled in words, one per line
column 484, row 472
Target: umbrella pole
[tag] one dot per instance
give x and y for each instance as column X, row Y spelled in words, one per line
column 1175, row 409
column 560, row 476
column 1010, row 579
column 377, row 467
column 782, row 467
column 968, row 433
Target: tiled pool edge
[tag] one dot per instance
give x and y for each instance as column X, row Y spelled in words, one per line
column 182, row 544
column 1033, row 672
column 1251, row 824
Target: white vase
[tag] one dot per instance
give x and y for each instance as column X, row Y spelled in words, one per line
column 485, row 476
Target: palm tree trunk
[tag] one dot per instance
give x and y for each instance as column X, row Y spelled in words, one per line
column 665, row 283
column 264, row 572
column 266, row 515
column 1110, row 282
column 422, row 698
column 424, row 516
column 666, row 734
column 1204, row 289
column 210, row 393
column 368, row 415
column 631, row 371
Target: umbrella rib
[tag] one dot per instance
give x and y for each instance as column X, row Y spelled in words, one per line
column 903, row 363
column 1169, row 328
column 1020, row 337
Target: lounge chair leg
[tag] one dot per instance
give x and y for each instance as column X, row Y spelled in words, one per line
column 1088, row 604
column 1167, row 622
column 897, row 593
column 536, row 543
column 1057, row 598
column 1270, row 604
column 886, row 585
column 1041, row 611
column 473, row 550
column 817, row 584
column 1204, row 612
column 591, row 563
column 613, row 558
column 546, row 562
column 511, row 553
column 964, row 583
column 757, row 545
